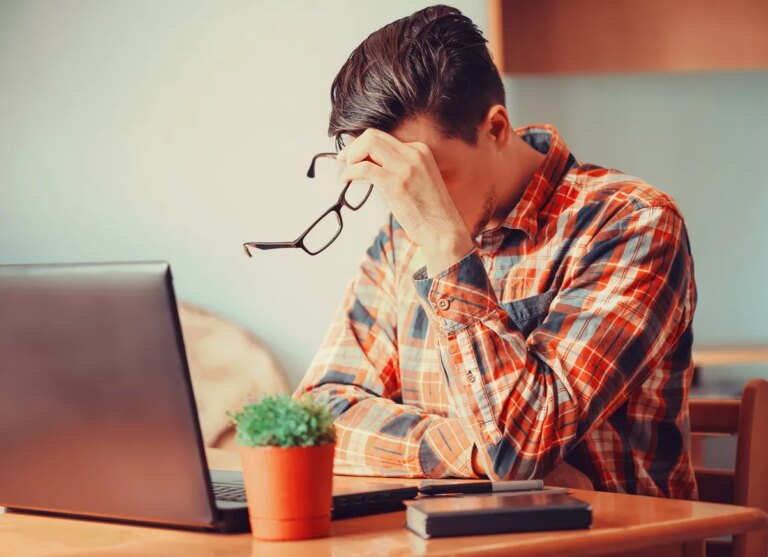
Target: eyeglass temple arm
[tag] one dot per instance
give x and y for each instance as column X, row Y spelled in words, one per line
column 267, row 245
column 311, row 171
column 294, row 244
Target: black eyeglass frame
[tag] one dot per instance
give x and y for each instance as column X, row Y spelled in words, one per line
column 335, row 208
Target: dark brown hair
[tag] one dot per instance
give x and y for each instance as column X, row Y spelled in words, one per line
column 433, row 63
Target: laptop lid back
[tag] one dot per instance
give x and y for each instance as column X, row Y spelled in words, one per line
column 97, row 415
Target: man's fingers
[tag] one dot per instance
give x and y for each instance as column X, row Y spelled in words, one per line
column 393, row 142
column 365, row 171
column 381, row 148
column 369, row 146
column 422, row 149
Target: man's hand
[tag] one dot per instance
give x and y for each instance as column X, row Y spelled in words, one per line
column 563, row 475
column 407, row 176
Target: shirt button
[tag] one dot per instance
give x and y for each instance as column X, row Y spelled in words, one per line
column 471, row 377
column 443, row 304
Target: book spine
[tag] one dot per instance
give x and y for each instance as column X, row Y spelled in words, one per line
column 554, row 519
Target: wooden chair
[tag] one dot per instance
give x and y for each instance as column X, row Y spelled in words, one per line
column 748, row 484
column 229, row 366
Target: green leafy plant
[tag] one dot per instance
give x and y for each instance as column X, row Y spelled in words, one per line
column 280, row 421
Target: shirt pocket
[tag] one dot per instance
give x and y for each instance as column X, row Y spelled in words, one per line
column 528, row 313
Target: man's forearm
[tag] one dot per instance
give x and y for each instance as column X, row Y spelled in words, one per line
column 377, row 436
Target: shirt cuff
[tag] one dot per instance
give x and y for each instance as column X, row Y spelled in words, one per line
column 446, row 450
column 458, row 296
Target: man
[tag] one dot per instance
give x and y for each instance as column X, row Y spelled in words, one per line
column 520, row 311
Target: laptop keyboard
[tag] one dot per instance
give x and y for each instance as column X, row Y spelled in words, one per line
column 344, row 506
column 229, row 492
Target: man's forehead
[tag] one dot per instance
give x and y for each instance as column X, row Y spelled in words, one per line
column 418, row 128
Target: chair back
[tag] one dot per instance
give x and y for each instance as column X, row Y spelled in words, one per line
column 747, row 484
column 229, row 367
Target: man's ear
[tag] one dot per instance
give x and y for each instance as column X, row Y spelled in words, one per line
column 497, row 126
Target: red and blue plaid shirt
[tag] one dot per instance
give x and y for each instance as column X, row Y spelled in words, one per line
column 565, row 335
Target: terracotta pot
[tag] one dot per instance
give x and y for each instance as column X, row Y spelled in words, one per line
column 288, row 491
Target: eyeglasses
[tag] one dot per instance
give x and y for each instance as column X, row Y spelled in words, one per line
column 328, row 226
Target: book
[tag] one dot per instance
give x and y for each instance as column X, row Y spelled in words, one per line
column 496, row 513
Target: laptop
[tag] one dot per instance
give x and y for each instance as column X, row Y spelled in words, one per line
column 97, row 413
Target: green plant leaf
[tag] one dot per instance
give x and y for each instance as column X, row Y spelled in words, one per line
column 280, row 421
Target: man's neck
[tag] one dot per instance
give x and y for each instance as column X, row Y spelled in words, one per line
column 514, row 174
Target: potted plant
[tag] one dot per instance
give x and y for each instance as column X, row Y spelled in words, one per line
column 286, row 448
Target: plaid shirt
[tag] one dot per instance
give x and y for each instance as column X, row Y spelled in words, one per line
column 565, row 335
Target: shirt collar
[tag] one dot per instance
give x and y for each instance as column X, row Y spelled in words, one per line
column 545, row 139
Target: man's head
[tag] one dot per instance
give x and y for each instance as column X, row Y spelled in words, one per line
column 429, row 78
column 433, row 63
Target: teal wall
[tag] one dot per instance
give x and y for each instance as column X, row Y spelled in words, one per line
column 702, row 138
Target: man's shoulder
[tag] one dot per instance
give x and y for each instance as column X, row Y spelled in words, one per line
column 609, row 192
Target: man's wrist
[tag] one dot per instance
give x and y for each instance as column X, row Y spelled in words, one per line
column 443, row 254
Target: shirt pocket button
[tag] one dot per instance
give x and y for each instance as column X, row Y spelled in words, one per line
column 443, row 304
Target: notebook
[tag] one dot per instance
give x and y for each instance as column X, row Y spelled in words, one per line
column 496, row 513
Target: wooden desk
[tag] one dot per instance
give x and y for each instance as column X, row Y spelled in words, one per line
column 729, row 354
column 623, row 524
